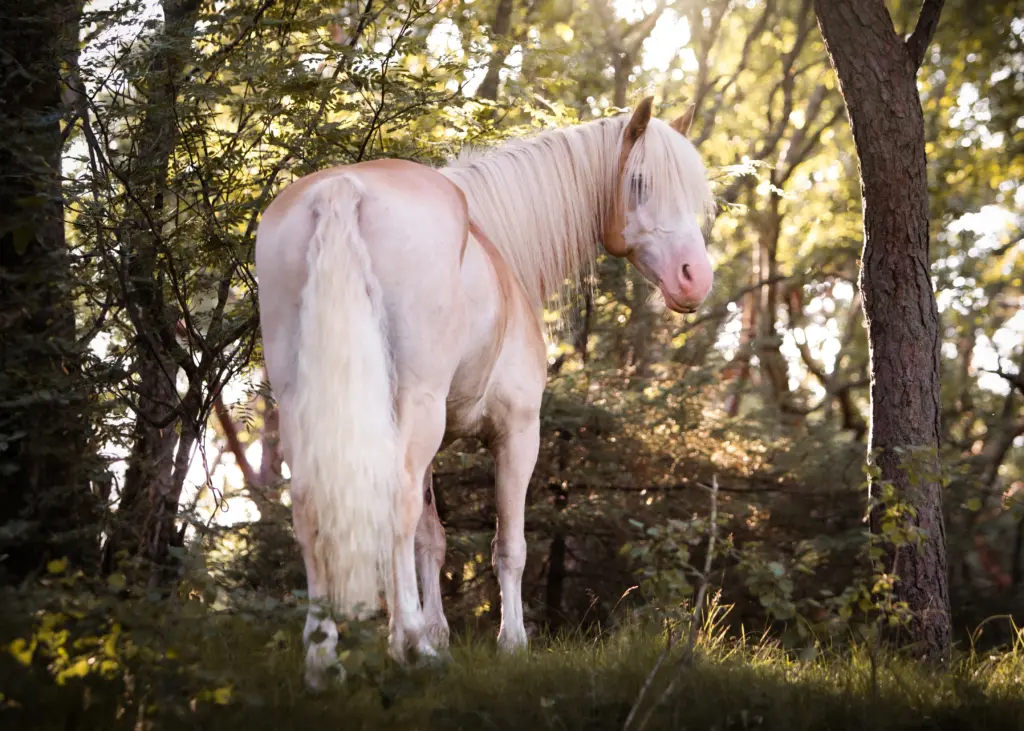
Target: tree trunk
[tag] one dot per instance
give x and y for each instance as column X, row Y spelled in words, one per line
column 46, row 507
column 623, row 63
column 877, row 77
column 488, row 88
column 555, row 585
column 640, row 328
column 165, row 421
column 769, row 343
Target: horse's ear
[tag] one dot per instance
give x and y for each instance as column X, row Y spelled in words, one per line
column 638, row 122
column 683, row 122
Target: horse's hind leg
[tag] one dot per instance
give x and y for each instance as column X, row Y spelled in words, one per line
column 320, row 635
column 430, row 550
column 421, row 423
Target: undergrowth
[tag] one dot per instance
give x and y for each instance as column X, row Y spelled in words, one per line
column 125, row 660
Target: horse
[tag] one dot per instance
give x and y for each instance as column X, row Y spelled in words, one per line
column 401, row 307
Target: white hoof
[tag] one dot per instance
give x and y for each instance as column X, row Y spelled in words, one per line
column 438, row 636
column 322, row 668
column 512, row 641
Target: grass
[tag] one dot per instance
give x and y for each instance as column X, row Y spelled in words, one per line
column 232, row 672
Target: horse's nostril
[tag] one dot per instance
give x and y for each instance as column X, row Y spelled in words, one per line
column 686, row 273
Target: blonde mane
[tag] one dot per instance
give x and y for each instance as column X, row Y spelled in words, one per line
column 543, row 200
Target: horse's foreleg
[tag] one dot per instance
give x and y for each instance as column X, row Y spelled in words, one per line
column 430, row 550
column 515, row 454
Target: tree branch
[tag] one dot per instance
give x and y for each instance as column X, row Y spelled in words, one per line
column 1014, row 379
column 230, row 430
column 705, row 87
column 637, row 33
column 927, row 22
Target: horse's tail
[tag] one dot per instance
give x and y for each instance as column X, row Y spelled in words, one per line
column 345, row 444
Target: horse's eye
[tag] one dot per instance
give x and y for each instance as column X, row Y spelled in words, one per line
column 637, row 192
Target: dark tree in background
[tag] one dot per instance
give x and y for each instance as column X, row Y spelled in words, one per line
column 877, row 73
column 45, row 502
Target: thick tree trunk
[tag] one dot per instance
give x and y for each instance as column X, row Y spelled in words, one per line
column 46, row 507
column 877, row 75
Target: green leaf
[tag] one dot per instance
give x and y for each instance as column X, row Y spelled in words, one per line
column 222, row 696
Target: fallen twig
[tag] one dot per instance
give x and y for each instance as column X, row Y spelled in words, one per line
column 649, row 679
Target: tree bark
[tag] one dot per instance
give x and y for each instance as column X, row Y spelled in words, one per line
column 46, row 505
column 877, row 77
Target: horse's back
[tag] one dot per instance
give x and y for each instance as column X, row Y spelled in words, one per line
column 401, row 203
column 414, row 225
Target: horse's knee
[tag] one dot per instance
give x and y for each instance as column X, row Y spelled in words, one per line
column 430, row 543
column 508, row 552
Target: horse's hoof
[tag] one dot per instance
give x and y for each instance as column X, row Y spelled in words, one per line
column 320, row 675
column 428, row 657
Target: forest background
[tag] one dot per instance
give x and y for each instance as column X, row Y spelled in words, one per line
column 139, row 437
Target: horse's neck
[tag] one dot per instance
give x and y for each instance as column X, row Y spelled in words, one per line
column 543, row 207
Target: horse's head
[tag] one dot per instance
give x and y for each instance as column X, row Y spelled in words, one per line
column 660, row 202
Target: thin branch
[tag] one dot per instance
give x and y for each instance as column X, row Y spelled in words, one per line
column 649, row 679
column 831, row 390
column 698, row 609
column 723, row 310
column 214, row 63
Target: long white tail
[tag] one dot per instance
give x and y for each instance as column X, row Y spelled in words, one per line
column 346, row 439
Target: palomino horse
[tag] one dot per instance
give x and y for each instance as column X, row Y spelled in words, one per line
column 401, row 308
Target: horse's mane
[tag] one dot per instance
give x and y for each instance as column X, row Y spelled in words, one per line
column 542, row 200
